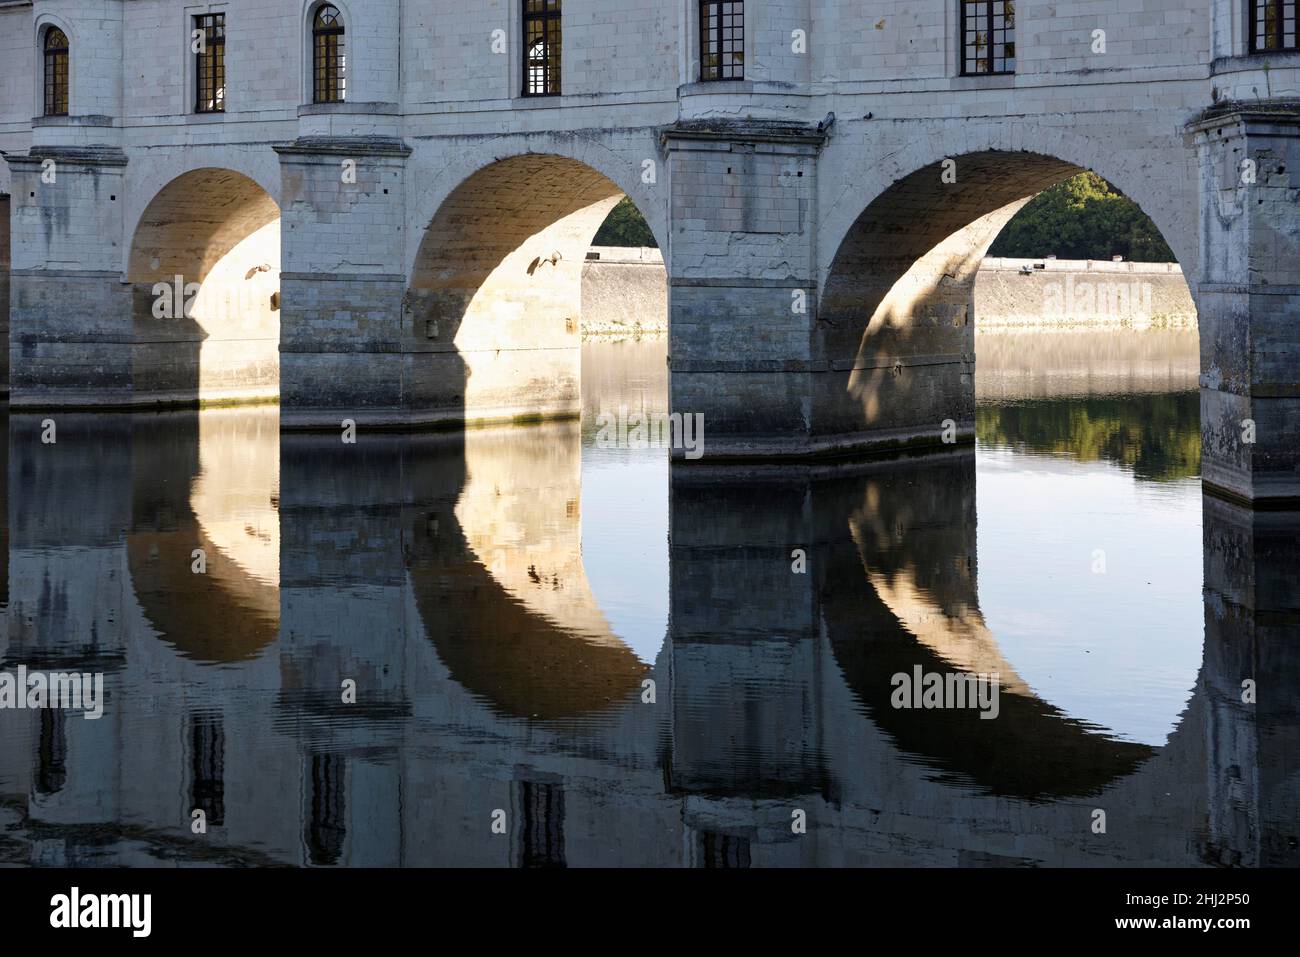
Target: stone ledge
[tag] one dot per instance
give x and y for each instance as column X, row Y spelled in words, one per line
column 345, row 146
column 87, row 155
column 748, row 131
column 1254, row 111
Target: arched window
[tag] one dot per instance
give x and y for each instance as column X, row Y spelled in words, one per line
column 329, row 57
column 56, row 72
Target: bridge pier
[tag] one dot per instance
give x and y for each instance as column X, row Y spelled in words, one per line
column 741, row 292
column 1249, row 298
column 342, row 285
column 70, row 335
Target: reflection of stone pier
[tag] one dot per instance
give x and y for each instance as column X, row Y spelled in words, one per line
column 1252, row 633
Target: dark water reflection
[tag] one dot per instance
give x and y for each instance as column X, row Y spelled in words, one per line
column 506, row 602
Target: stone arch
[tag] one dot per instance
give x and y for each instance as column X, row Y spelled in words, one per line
column 150, row 167
column 622, row 164
column 204, row 261
column 1161, row 176
column 895, row 316
column 495, row 281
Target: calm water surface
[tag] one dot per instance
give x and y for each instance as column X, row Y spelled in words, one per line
column 620, row 658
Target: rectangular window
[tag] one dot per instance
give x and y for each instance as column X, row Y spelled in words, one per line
column 988, row 37
column 722, row 40
column 210, row 63
column 542, row 46
column 1273, row 25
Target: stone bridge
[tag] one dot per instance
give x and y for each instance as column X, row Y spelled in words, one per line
column 404, row 248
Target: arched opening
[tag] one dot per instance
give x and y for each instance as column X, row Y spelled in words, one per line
column 205, row 266
column 899, row 306
column 495, row 303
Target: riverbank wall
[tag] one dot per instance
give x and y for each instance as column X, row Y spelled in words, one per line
column 625, row 295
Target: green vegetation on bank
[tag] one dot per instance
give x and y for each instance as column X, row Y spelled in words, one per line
column 1082, row 218
column 625, row 226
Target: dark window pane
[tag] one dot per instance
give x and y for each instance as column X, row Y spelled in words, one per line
column 722, row 40
column 210, row 64
column 988, row 35
column 1273, row 25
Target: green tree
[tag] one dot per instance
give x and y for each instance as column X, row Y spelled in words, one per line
column 1083, row 218
column 625, row 226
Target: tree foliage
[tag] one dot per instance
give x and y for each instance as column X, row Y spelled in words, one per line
column 625, row 226
column 1083, row 218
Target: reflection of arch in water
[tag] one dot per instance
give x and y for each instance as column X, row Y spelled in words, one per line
column 231, row 612
column 913, row 535
column 500, row 585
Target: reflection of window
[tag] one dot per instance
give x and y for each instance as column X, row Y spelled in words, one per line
column 1273, row 25
column 210, row 63
column 542, row 834
column 208, row 767
column 329, row 58
column 326, row 825
column 51, row 753
column 56, row 72
column 988, row 36
column 721, row 850
column 722, row 40
column 542, row 46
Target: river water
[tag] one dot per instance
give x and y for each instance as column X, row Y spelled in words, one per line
column 518, row 648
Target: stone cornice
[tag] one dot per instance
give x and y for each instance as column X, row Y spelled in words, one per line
column 745, row 131
column 1255, row 112
column 345, row 146
column 87, row 155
